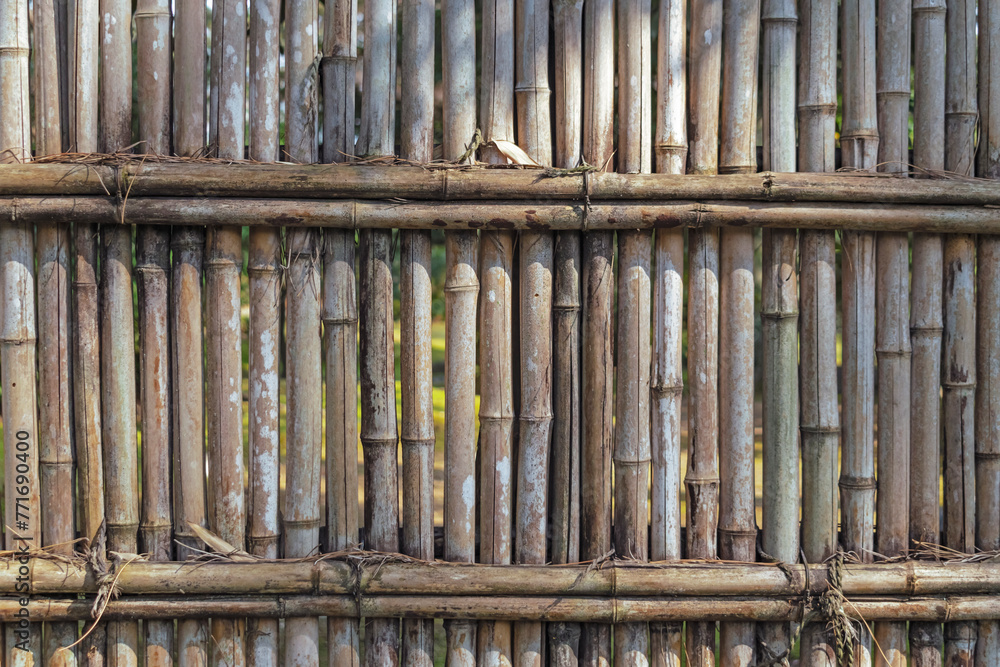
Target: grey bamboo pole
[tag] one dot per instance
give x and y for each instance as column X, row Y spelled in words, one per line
column 926, row 315
column 340, row 318
column 379, row 434
column 702, row 478
column 819, row 415
column 632, row 448
column 859, row 146
column 458, row 44
column 892, row 343
column 302, row 326
column 153, row 41
column 378, row 424
column 738, row 154
column 23, row 509
column 959, row 359
column 263, row 266
column 55, row 436
column 117, row 328
column 496, row 340
column 417, row 428
column 779, row 315
column 83, row 20
column 987, row 445
column 667, row 381
column 223, row 335
column 340, row 350
column 534, row 317
column 567, row 21
column 340, row 55
column 189, row 77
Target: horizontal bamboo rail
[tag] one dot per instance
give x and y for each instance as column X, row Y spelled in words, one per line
column 373, row 576
column 541, row 608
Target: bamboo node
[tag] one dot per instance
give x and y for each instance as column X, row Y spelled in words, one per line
column 779, row 314
column 417, row 442
column 858, row 483
column 987, row 456
column 340, row 321
column 666, row 390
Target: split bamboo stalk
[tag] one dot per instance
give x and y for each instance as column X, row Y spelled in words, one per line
column 820, row 419
column 496, row 421
column 859, row 146
column 340, row 318
column 779, row 314
column 304, row 388
column 378, row 424
column 55, row 438
column 23, row 508
column 986, row 505
column 223, row 335
column 496, row 341
column 564, row 473
column 340, row 56
column 83, row 21
column 667, row 381
column 702, row 478
column 263, row 266
column 304, row 378
column 340, row 323
column 926, row 316
column 153, row 38
column 632, row 448
column 738, row 154
column 417, row 428
column 959, row 359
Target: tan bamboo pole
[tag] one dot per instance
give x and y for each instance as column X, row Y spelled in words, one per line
column 496, row 340
column 986, row 506
column 667, row 381
column 55, row 437
column 738, row 154
column 263, row 265
column 417, row 428
column 23, row 508
column 819, row 414
column 340, row 323
column 189, row 77
column 959, row 358
column 223, row 341
column 458, row 65
column 83, row 21
column 340, row 318
column 153, row 38
column 340, row 55
column 702, row 478
column 632, row 448
column 379, row 434
column 531, row 87
column 567, row 21
column 859, row 146
column 926, row 316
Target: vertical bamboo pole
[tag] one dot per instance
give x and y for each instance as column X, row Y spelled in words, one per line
column 926, row 316
column 152, row 20
column 417, row 429
column 820, row 419
column 779, row 315
column 702, row 479
column 458, row 43
column 496, row 372
column 117, row 329
column 668, row 322
column 567, row 21
column 340, row 322
column 302, row 360
column 378, row 96
column 859, row 147
column 22, row 520
column 598, row 334
column 189, row 77
column 892, row 302
column 632, row 447
column 263, row 266
column 223, row 335
column 531, row 90
column 986, row 505
column 340, row 318
column 738, row 154
column 83, row 21
column 55, row 436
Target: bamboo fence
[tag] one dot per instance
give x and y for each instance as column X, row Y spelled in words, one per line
column 228, row 242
